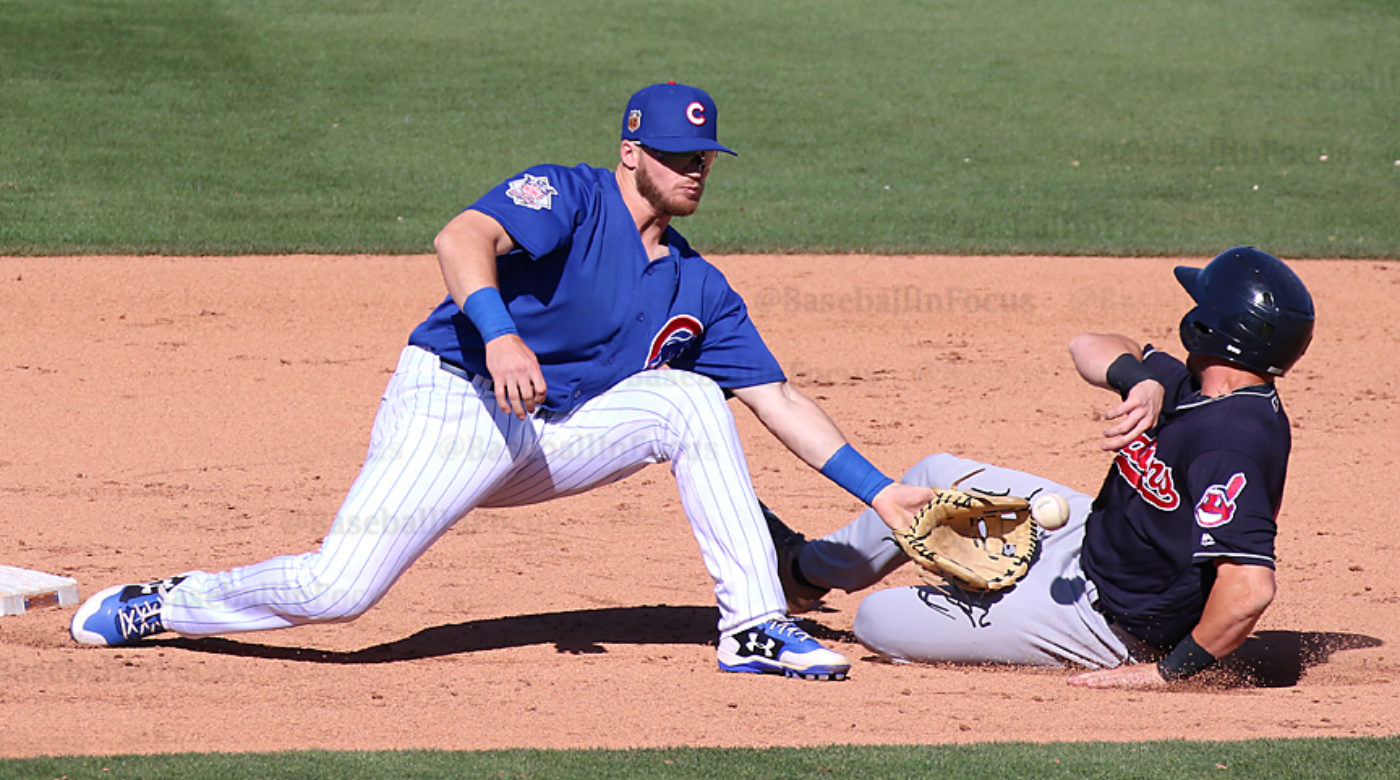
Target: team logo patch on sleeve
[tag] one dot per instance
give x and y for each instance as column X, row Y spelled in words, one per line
column 1217, row 504
column 673, row 339
column 532, row 192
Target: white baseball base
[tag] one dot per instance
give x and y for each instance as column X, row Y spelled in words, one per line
column 24, row 589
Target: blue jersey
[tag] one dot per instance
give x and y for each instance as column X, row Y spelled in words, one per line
column 1205, row 483
column 591, row 304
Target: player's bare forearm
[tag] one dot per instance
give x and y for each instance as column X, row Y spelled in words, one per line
column 804, row 428
column 1093, row 353
column 467, row 249
column 1237, row 600
column 795, row 420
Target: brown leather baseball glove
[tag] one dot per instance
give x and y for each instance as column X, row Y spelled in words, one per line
column 979, row 541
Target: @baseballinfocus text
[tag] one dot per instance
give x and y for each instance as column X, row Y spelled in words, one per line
column 893, row 300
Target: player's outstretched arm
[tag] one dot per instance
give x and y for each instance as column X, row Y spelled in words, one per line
column 803, row 427
column 1237, row 600
column 794, row 419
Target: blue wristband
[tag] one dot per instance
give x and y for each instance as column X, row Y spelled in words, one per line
column 488, row 313
column 852, row 471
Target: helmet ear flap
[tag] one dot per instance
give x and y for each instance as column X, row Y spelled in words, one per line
column 1193, row 331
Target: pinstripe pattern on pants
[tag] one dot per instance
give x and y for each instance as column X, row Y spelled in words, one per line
column 440, row 447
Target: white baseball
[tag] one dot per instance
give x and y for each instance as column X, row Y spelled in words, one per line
column 1050, row 510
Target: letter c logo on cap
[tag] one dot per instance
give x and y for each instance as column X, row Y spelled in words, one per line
column 695, row 112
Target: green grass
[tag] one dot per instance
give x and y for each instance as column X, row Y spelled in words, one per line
column 1091, row 126
column 1315, row 759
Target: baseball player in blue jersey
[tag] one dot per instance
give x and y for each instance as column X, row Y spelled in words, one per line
column 1170, row 566
column 581, row 339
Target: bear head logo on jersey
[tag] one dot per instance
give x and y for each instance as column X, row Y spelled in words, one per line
column 675, row 336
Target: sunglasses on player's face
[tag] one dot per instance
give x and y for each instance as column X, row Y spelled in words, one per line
column 683, row 162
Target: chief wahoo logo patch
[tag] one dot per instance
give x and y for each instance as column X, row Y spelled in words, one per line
column 1217, row 504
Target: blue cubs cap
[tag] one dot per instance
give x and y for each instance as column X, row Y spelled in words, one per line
column 672, row 117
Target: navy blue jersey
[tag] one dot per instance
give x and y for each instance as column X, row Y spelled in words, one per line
column 1204, row 484
column 590, row 303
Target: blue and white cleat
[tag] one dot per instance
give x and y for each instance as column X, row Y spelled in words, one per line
column 780, row 647
column 122, row 614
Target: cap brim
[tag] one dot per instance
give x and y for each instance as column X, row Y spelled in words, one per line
column 682, row 145
column 1188, row 276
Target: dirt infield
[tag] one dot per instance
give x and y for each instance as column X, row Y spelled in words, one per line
column 163, row 414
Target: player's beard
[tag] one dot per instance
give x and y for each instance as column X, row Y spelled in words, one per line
column 674, row 205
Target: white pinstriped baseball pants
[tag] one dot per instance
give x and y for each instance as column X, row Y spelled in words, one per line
column 441, row 447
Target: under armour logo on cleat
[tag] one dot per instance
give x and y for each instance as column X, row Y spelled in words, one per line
column 159, row 587
column 767, row 649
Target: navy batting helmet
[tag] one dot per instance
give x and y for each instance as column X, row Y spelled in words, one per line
column 1251, row 309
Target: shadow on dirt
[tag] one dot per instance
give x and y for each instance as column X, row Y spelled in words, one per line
column 1279, row 659
column 575, row 632
column 1269, row 659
